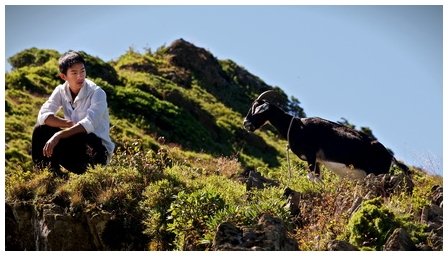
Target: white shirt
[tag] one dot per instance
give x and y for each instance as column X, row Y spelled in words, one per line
column 88, row 109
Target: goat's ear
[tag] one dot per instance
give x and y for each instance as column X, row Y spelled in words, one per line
column 260, row 109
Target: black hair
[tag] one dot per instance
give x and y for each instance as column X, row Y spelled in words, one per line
column 69, row 59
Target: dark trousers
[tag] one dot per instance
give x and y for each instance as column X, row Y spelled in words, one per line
column 75, row 153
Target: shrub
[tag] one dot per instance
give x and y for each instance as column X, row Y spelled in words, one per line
column 25, row 185
column 23, row 81
column 96, row 67
column 371, row 225
column 190, row 213
column 157, row 199
column 32, row 57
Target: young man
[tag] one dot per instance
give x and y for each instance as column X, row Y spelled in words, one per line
column 81, row 138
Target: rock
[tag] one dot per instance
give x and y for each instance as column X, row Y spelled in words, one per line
column 433, row 216
column 338, row 245
column 202, row 63
column 269, row 234
column 33, row 227
column 293, row 202
column 435, row 239
column 385, row 184
column 57, row 231
column 228, row 233
column 437, row 196
column 355, row 206
column 11, row 231
column 399, row 241
column 254, row 180
column 20, row 222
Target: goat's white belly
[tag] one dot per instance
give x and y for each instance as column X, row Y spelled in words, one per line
column 344, row 170
column 340, row 169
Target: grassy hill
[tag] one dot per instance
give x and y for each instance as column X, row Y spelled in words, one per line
column 176, row 118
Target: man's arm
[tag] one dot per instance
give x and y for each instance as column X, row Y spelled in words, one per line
column 55, row 121
column 54, row 140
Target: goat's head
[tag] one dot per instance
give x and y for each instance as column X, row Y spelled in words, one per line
column 258, row 113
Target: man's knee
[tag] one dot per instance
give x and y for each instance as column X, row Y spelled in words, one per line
column 44, row 132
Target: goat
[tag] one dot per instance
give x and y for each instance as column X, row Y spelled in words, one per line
column 344, row 150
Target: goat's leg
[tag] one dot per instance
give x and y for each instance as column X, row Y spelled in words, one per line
column 313, row 165
column 314, row 169
column 317, row 169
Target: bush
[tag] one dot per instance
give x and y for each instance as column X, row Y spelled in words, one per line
column 371, row 225
column 26, row 186
column 157, row 199
column 32, row 57
column 190, row 213
column 96, row 67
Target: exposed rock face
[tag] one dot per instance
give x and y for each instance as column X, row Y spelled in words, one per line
column 45, row 229
column 399, row 241
column 437, row 196
column 50, row 228
column 269, row 235
column 433, row 216
column 231, row 84
column 338, row 245
column 385, row 185
column 198, row 60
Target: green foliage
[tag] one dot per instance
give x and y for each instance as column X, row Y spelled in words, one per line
column 21, row 81
column 190, row 213
column 97, row 68
column 39, row 78
column 18, row 128
column 157, row 199
column 135, row 61
column 371, row 225
column 294, row 107
column 112, row 189
column 32, row 57
column 29, row 186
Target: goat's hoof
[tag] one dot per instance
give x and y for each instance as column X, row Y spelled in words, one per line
column 313, row 177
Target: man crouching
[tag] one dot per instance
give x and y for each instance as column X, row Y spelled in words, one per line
column 81, row 138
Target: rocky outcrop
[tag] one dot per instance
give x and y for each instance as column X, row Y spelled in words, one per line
column 269, row 234
column 384, row 185
column 432, row 215
column 50, row 227
column 338, row 245
column 400, row 240
column 231, row 84
column 199, row 61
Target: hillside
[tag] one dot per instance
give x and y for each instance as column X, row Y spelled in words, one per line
column 187, row 176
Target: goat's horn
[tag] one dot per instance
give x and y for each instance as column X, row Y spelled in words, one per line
column 270, row 96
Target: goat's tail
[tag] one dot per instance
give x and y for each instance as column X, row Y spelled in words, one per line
column 402, row 166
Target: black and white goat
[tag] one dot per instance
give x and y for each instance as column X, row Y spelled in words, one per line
column 318, row 141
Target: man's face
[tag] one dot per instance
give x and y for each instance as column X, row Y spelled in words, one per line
column 76, row 74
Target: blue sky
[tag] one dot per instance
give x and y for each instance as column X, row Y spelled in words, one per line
column 376, row 66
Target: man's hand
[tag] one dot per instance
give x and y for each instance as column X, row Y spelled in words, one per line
column 51, row 144
column 66, row 133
